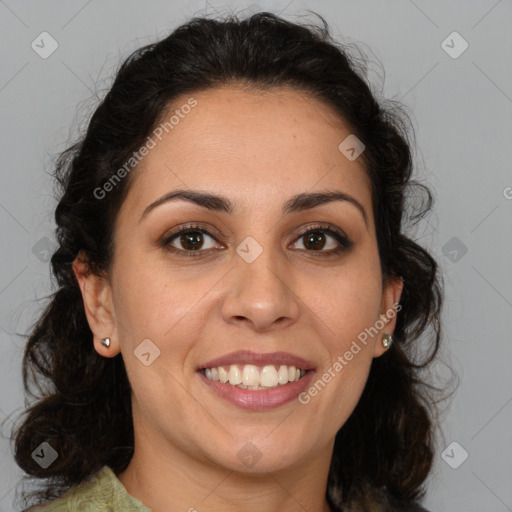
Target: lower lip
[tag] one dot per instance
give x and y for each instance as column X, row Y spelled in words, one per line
column 259, row 400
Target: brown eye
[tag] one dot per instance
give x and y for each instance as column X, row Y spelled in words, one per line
column 190, row 241
column 315, row 241
column 325, row 241
column 193, row 241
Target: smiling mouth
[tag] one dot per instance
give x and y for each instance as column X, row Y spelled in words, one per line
column 254, row 377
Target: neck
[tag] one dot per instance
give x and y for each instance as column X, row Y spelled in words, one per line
column 176, row 481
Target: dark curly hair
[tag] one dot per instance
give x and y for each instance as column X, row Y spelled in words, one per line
column 383, row 453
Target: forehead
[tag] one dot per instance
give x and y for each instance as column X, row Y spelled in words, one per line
column 249, row 144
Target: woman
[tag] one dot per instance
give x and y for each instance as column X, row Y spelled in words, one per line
column 237, row 306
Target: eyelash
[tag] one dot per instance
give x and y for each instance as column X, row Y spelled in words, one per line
column 338, row 235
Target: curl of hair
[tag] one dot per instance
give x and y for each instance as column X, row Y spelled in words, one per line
column 383, row 453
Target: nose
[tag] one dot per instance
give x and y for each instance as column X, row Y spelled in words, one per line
column 260, row 294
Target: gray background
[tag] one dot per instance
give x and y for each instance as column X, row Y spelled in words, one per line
column 462, row 111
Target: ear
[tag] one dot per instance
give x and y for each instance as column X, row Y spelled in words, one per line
column 98, row 305
column 391, row 293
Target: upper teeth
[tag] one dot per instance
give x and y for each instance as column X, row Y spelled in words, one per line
column 250, row 376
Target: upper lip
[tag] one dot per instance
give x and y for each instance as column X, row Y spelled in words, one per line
column 248, row 357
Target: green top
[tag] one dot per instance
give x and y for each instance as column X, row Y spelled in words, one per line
column 103, row 492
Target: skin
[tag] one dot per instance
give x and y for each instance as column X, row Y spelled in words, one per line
column 257, row 148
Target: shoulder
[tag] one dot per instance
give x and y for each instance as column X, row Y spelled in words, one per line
column 100, row 492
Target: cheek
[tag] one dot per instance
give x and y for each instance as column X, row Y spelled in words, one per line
column 344, row 313
column 168, row 308
column 347, row 304
column 146, row 300
column 151, row 306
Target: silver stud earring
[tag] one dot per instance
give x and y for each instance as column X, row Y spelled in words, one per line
column 387, row 340
column 105, row 342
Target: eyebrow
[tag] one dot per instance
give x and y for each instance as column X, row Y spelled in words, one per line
column 297, row 203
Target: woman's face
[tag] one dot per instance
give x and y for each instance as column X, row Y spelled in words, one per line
column 255, row 292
